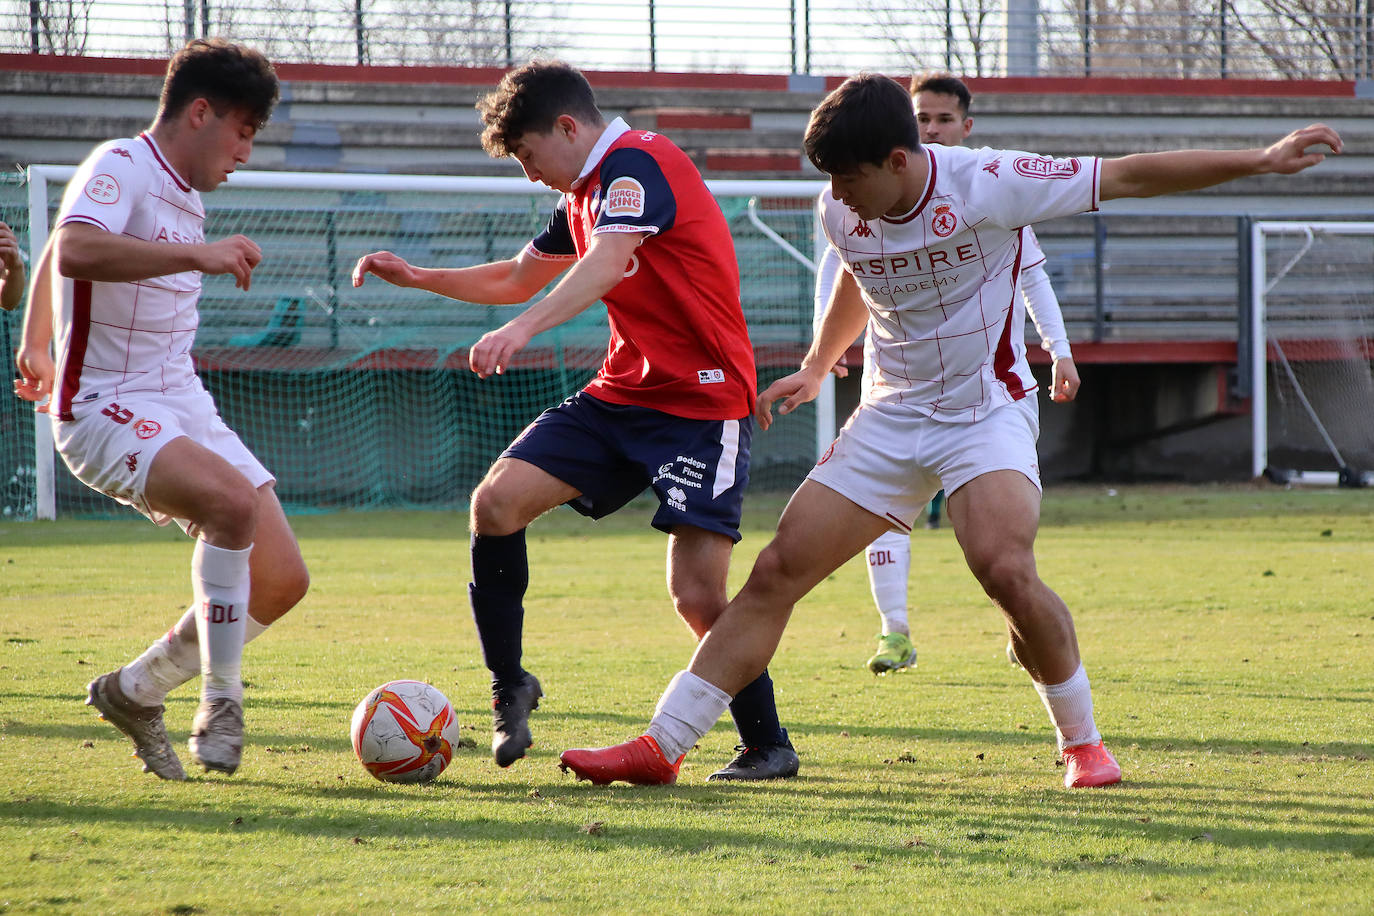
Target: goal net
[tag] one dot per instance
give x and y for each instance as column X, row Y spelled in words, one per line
column 361, row 398
column 1312, row 324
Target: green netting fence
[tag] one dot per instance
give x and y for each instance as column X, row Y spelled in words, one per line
column 360, row 398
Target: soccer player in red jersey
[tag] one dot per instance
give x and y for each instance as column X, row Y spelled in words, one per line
column 931, row 242
column 670, row 409
column 115, row 294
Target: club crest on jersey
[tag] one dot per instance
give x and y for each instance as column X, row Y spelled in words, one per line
column 1045, row 167
column 147, row 429
column 943, row 223
column 624, row 197
column 103, row 189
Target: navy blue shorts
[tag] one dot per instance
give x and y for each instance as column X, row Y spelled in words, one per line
column 612, row 452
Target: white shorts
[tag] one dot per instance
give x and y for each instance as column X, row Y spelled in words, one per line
column 891, row 461
column 112, row 444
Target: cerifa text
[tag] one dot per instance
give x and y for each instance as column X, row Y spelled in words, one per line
column 930, row 259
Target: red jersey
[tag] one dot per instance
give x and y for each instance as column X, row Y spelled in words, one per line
column 679, row 342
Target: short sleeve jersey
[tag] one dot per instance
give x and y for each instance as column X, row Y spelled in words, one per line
column 947, row 321
column 678, row 342
column 118, row 338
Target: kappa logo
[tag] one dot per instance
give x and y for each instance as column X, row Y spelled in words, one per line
column 992, row 167
column 103, row 189
column 944, row 222
column 1045, row 167
column 862, row 230
column 131, row 461
column 147, row 429
column 120, row 151
column 624, row 197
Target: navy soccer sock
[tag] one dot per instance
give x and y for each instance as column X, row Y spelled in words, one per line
column 756, row 714
column 500, row 575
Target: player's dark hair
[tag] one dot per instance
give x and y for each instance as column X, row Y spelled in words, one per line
column 860, row 123
column 942, row 83
column 228, row 76
column 530, row 99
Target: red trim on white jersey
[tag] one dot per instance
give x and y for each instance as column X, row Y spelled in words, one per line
column 69, row 375
column 925, row 195
column 157, row 154
column 1004, row 360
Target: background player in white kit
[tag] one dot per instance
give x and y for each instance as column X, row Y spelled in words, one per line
column 932, row 247
column 115, row 294
column 942, row 106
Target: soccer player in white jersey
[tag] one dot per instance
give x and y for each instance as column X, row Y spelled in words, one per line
column 115, row 295
column 942, row 106
column 932, row 246
column 11, row 270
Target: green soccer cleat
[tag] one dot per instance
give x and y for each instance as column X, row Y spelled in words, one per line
column 895, row 652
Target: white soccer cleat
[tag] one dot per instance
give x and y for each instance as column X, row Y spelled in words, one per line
column 217, row 735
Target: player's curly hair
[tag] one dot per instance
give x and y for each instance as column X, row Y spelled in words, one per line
column 229, row 76
column 860, row 123
column 530, row 99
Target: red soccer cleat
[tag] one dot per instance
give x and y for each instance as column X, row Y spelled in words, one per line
column 1089, row 765
column 640, row 762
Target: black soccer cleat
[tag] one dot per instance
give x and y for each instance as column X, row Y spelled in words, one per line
column 770, row 761
column 510, row 715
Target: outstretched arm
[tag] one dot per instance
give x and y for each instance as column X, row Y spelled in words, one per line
column 507, row 282
column 1152, row 174
column 595, row 274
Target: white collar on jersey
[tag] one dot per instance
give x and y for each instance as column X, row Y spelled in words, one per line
column 608, row 136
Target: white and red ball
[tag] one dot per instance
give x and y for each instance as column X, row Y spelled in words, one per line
column 405, row 731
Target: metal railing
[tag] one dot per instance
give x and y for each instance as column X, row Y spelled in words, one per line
column 1251, row 39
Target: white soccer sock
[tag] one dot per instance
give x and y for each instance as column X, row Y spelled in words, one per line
column 1070, row 706
column 172, row 661
column 219, row 579
column 685, row 712
column 889, row 565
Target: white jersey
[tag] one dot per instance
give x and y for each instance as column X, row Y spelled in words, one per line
column 119, row 338
column 942, row 283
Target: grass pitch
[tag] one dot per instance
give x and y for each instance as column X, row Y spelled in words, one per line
column 1229, row 634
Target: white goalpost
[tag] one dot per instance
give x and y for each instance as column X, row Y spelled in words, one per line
column 1312, row 340
column 359, row 397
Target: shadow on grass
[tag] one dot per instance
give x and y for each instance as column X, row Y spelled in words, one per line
column 951, row 823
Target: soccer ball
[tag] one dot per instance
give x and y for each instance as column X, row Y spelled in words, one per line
column 404, row 731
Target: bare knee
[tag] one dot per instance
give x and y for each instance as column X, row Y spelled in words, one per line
column 491, row 511
column 1008, row 579
column 278, row 591
column 229, row 515
column 774, row 582
column 699, row 607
